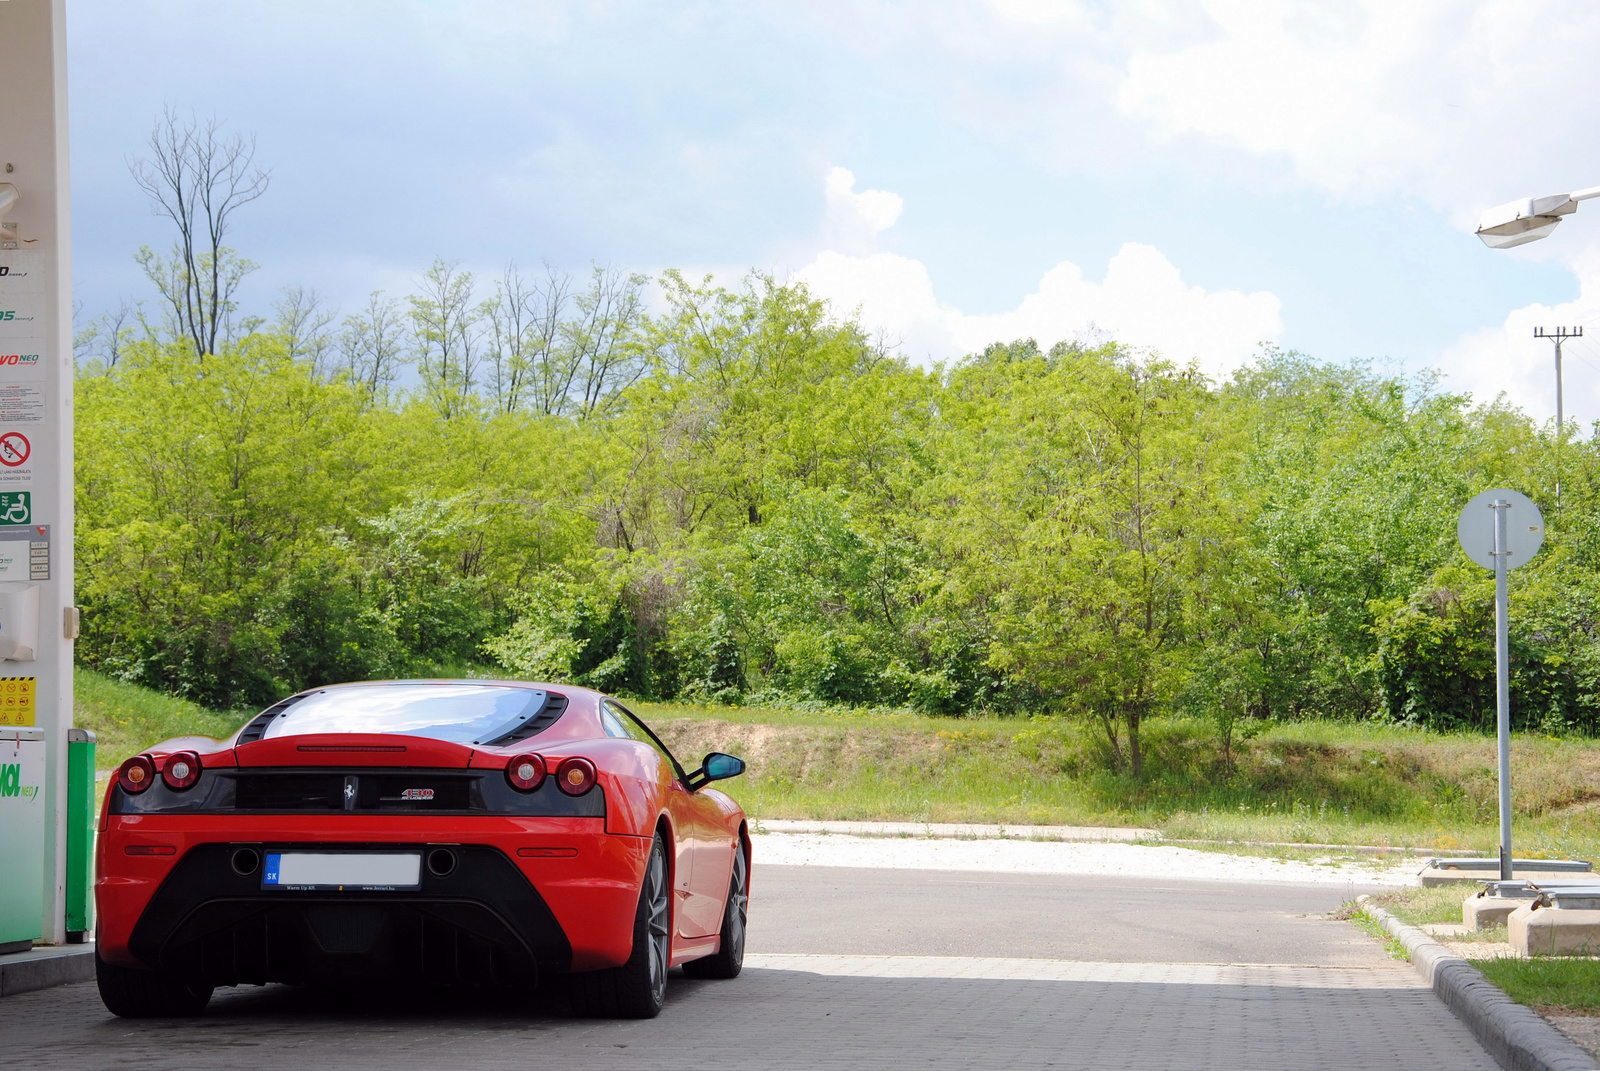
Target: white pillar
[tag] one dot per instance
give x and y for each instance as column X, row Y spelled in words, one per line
column 36, row 373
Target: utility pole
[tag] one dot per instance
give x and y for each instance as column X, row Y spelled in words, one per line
column 1558, row 336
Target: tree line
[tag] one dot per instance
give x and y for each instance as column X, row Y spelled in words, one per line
column 738, row 496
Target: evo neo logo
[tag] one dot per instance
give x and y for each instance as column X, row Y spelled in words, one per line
column 11, row 782
column 19, row 358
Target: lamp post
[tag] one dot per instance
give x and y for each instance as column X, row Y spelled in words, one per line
column 1518, row 223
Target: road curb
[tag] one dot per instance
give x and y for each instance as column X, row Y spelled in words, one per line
column 22, row 972
column 1516, row 1036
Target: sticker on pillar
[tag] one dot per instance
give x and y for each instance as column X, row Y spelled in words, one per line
column 16, row 508
column 22, row 299
column 38, row 552
column 21, row 315
column 16, row 700
column 16, row 456
column 24, row 556
column 20, row 403
column 19, row 273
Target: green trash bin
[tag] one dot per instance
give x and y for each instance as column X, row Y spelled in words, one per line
column 80, row 833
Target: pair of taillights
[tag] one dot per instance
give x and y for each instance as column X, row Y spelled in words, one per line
column 181, row 771
column 574, row 775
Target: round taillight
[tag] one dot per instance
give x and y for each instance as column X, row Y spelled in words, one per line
column 182, row 770
column 137, row 774
column 525, row 772
column 575, row 776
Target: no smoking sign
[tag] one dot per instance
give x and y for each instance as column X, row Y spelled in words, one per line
column 14, row 449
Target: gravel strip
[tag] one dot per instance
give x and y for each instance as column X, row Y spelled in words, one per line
column 1041, row 857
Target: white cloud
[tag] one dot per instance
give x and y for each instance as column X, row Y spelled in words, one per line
column 1043, row 12
column 1142, row 301
column 854, row 219
column 1509, row 359
column 1460, row 103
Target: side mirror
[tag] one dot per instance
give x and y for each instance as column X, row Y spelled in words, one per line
column 716, row 767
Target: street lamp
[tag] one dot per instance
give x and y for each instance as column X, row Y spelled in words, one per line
column 1518, row 223
column 1528, row 220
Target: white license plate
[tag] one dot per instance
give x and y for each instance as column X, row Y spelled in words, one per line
column 355, row 871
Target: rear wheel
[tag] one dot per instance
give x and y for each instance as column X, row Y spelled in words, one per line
column 730, row 957
column 135, row 994
column 638, row 988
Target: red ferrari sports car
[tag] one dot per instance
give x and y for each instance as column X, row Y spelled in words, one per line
column 421, row 832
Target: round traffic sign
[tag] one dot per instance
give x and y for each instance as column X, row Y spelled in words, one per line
column 1524, row 528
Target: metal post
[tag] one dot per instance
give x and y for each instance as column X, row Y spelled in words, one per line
column 1502, row 681
column 1559, row 335
column 1561, row 419
column 1561, row 423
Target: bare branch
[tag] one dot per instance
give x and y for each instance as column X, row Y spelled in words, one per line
column 198, row 178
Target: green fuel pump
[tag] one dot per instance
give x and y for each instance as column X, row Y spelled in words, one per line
column 80, row 833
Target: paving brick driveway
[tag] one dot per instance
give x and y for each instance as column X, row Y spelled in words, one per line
column 796, row 1007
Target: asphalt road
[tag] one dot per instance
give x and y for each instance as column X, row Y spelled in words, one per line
column 867, row 969
column 963, row 913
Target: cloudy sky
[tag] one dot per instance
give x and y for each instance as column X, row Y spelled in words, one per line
column 1195, row 178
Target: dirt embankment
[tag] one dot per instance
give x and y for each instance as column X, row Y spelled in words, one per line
column 1550, row 777
column 798, row 752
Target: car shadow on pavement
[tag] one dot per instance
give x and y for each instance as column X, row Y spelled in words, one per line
column 775, row 1018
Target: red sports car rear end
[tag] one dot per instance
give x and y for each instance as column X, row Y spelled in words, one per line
column 453, row 833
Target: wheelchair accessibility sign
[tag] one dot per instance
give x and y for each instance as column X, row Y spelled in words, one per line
column 16, row 508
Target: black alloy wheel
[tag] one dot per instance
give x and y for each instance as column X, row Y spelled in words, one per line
column 638, row 988
column 730, row 957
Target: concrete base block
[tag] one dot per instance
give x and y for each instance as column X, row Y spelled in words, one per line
column 1549, row 931
column 1487, row 912
column 43, row 967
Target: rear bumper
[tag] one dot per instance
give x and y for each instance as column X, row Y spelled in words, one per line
column 497, row 918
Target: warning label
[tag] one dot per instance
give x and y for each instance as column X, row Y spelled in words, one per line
column 16, row 700
column 21, row 403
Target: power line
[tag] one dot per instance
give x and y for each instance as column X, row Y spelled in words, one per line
column 1558, row 336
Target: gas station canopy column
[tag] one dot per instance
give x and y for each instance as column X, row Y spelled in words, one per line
column 37, row 619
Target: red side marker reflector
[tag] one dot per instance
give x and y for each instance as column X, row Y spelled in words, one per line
column 151, row 849
column 545, row 853
column 350, row 747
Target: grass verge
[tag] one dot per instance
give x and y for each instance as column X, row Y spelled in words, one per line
column 1373, row 928
column 126, row 718
column 1555, row 984
column 1295, row 783
column 1303, row 783
column 1419, row 907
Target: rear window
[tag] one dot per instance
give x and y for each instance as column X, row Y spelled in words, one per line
column 459, row 713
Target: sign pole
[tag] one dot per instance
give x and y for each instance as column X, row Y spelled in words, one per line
column 1502, row 674
column 1504, row 538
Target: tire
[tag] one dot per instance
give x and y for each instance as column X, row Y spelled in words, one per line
column 638, row 988
column 730, row 957
column 135, row 994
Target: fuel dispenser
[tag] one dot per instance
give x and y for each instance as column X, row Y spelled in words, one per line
column 22, row 833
